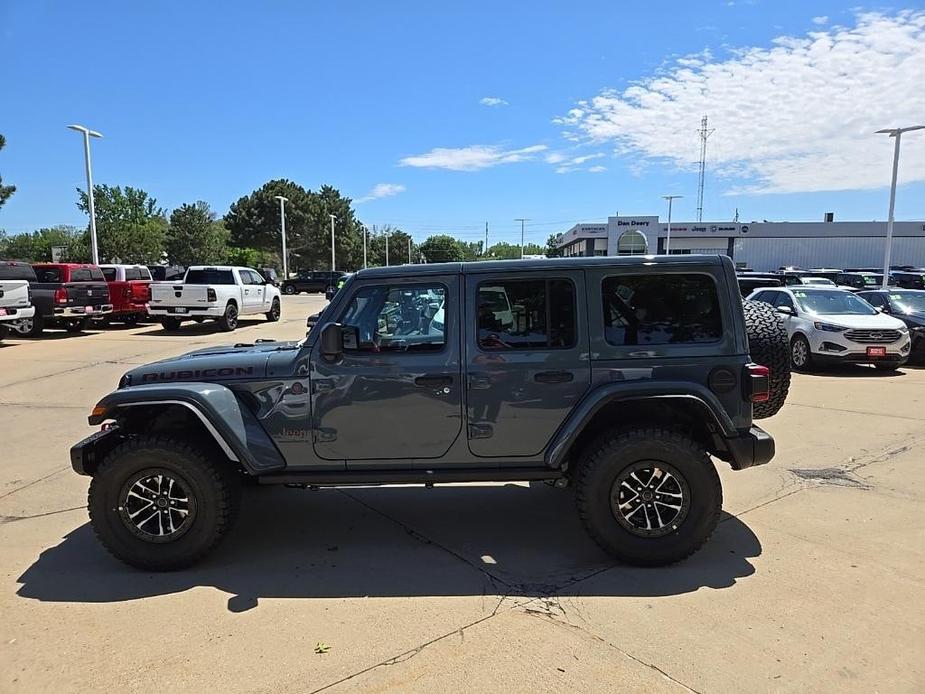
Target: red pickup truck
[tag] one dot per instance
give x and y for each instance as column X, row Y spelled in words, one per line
column 66, row 295
column 129, row 292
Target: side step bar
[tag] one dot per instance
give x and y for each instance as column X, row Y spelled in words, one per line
column 341, row 478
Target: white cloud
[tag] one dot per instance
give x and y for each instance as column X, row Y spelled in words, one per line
column 492, row 101
column 597, row 169
column 568, row 163
column 820, row 21
column 382, row 190
column 798, row 116
column 471, row 158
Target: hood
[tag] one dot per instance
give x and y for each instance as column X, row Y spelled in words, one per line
column 210, row 365
column 878, row 320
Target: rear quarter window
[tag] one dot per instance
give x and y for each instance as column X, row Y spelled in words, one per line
column 661, row 309
column 48, row 274
column 110, row 274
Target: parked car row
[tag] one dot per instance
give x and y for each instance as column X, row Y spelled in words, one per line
column 34, row 297
column 832, row 325
column 852, row 279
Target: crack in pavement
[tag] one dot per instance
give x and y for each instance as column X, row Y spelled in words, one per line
column 13, row 519
column 29, row 484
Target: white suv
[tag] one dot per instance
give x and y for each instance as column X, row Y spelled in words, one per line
column 833, row 326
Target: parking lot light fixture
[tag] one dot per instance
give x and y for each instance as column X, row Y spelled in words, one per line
column 897, row 134
column 282, row 226
column 669, row 198
column 87, row 133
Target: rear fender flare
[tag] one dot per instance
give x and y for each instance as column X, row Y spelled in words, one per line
column 604, row 395
column 234, row 427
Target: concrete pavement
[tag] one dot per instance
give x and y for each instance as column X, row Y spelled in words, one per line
column 811, row 581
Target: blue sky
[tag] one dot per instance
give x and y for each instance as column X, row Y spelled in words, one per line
column 463, row 113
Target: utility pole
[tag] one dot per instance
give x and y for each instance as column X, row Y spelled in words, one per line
column 332, row 242
column 87, row 133
column 282, row 227
column 704, row 134
column 895, row 133
column 409, row 250
column 522, row 221
column 485, row 250
column 386, row 248
column 365, row 234
column 669, row 198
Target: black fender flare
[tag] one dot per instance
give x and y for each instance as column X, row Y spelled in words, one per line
column 234, row 427
column 606, row 394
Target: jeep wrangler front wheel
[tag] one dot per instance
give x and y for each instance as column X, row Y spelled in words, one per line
column 648, row 497
column 159, row 504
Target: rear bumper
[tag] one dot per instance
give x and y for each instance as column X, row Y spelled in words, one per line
column 11, row 314
column 755, row 447
column 78, row 312
column 185, row 311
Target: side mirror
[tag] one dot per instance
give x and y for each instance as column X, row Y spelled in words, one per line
column 332, row 342
column 786, row 310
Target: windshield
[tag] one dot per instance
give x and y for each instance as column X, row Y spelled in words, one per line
column 836, row 302
column 908, row 302
column 209, row 276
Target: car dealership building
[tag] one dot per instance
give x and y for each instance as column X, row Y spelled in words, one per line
column 758, row 245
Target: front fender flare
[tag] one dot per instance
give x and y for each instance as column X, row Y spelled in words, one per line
column 234, row 428
column 606, row 394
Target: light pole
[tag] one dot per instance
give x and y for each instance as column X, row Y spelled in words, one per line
column 332, row 241
column 387, row 248
column 282, row 227
column 897, row 133
column 409, row 250
column 365, row 234
column 522, row 222
column 87, row 133
column 669, row 198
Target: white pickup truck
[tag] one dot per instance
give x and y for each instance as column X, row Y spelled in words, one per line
column 221, row 293
column 15, row 297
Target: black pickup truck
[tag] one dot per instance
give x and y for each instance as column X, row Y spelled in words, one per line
column 66, row 295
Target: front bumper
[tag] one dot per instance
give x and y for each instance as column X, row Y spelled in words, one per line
column 755, row 447
column 10, row 313
column 86, row 455
column 79, row 312
column 835, row 348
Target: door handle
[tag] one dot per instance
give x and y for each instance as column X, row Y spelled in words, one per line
column 554, row 377
column 433, row 381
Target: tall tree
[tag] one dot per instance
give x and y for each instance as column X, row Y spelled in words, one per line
column 5, row 191
column 511, row 251
column 36, row 247
column 441, row 248
column 552, row 246
column 130, row 226
column 398, row 246
column 195, row 237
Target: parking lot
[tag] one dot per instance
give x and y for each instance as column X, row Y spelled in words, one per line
column 812, row 580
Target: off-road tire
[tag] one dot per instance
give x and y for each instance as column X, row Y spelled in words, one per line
column 768, row 346
column 606, row 459
column 214, row 486
column 274, row 313
column 229, row 320
column 171, row 323
column 289, row 290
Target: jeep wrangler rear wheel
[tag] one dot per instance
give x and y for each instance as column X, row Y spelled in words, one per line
column 159, row 504
column 648, row 497
column 768, row 346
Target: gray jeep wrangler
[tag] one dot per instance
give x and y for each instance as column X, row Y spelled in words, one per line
column 618, row 377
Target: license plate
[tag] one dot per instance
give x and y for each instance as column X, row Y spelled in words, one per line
column 876, row 351
column 180, row 310
column 88, row 309
column 2, row 311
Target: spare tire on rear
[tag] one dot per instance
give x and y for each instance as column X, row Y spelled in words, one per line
column 769, row 346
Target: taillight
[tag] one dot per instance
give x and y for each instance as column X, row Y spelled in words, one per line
column 61, row 295
column 210, row 295
column 759, row 380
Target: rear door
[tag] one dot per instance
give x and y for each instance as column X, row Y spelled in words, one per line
column 396, row 394
column 526, row 357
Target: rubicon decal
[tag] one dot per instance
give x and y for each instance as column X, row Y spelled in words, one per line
column 192, row 374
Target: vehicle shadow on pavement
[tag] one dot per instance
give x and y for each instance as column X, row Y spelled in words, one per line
column 510, row 540
column 856, row 371
column 204, row 328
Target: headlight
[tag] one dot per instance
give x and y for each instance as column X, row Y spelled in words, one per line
column 904, row 328
column 829, row 328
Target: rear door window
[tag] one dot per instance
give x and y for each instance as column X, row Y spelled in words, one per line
column 526, row 314
column 110, row 274
column 48, row 274
column 661, row 309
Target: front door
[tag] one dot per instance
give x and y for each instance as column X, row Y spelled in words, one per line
column 397, row 392
column 254, row 289
column 527, row 358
